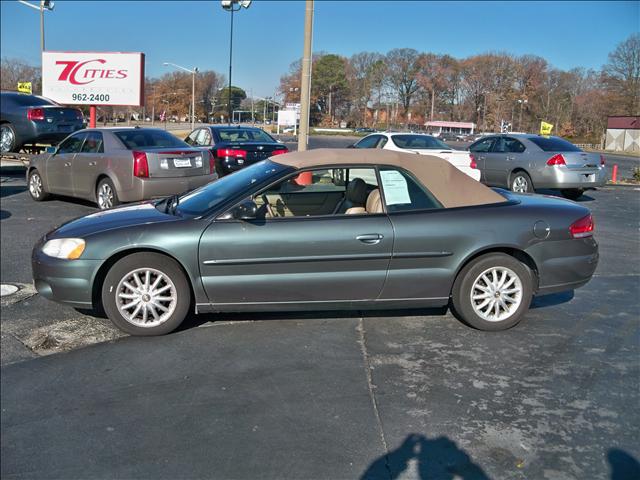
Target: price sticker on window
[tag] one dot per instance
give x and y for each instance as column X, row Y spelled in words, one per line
column 396, row 190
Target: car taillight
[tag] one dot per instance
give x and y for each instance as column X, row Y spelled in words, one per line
column 140, row 165
column 229, row 152
column 473, row 163
column 557, row 159
column 602, row 160
column 582, row 228
column 279, row 151
column 212, row 162
column 35, row 114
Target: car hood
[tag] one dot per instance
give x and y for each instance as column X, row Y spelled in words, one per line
column 138, row 214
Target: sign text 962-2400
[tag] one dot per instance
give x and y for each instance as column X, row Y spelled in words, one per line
column 90, row 97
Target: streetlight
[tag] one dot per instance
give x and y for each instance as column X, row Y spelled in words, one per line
column 230, row 6
column 522, row 104
column 193, row 89
column 44, row 5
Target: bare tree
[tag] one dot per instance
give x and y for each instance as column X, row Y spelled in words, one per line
column 403, row 67
column 622, row 75
column 13, row 71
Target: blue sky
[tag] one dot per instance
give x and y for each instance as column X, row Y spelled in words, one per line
column 268, row 36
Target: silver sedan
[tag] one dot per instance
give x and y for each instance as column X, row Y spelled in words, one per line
column 523, row 163
column 114, row 165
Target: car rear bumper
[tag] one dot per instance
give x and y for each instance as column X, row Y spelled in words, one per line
column 563, row 177
column 64, row 281
column 147, row 188
column 41, row 132
column 564, row 265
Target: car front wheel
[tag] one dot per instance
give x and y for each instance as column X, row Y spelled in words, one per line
column 36, row 186
column 146, row 294
column 521, row 183
column 7, row 138
column 493, row 292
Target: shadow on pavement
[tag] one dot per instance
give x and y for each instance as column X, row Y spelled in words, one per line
column 555, row 193
column 194, row 320
column 8, row 190
column 552, row 299
column 4, row 214
column 623, row 465
column 436, row 458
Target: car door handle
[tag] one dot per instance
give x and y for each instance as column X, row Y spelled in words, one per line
column 510, row 158
column 370, row 238
column 92, row 164
column 67, row 164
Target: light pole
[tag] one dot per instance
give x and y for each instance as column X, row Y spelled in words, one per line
column 44, row 5
column 193, row 89
column 232, row 6
column 522, row 103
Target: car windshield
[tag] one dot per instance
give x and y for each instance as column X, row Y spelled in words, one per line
column 139, row 138
column 244, row 135
column 418, row 142
column 205, row 198
column 554, row 144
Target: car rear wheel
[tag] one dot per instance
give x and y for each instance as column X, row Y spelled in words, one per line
column 36, row 187
column 7, row 138
column 493, row 292
column 572, row 193
column 106, row 196
column 146, row 294
column 521, row 183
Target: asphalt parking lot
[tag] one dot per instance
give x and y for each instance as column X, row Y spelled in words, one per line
column 400, row 394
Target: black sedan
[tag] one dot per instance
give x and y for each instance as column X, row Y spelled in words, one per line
column 235, row 147
column 323, row 229
column 30, row 119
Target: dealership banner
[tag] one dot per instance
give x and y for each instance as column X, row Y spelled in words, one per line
column 93, row 78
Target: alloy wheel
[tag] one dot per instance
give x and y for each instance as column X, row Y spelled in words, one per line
column 35, row 185
column 496, row 294
column 520, row 185
column 146, row 297
column 105, row 196
column 7, row 138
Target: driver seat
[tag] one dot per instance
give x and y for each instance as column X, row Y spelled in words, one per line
column 355, row 196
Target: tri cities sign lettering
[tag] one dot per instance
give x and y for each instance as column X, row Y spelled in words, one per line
column 93, row 78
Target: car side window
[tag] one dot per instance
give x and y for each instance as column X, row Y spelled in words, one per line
column 383, row 141
column 368, row 142
column 482, row 146
column 499, row 145
column 403, row 193
column 203, row 138
column 72, row 144
column 192, row 138
column 512, row 145
column 93, row 143
column 320, row 192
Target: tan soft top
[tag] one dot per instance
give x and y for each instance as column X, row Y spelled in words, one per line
column 449, row 185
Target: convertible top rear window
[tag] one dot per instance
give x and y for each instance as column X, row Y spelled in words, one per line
column 138, row 138
column 554, row 144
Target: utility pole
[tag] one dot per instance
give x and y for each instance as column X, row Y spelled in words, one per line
column 305, row 87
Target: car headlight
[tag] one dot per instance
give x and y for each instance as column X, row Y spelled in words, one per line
column 68, row 248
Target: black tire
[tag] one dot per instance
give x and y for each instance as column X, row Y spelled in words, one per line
column 520, row 182
column 572, row 193
column 8, row 138
column 106, row 195
column 176, row 309
column 36, row 186
column 466, row 309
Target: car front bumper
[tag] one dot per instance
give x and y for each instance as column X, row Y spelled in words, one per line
column 64, row 281
column 563, row 177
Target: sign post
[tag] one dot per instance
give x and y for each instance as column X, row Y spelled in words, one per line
column 94, row 78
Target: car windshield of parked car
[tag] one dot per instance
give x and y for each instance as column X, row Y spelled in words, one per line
column 205, row 198
column 419, row 142
column 244, row 135
column 554, row 144
column 138, row 138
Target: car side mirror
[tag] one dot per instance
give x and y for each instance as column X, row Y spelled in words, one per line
column 52, row 150
column 247, row 210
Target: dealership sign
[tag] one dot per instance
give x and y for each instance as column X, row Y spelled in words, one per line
column 93, row 78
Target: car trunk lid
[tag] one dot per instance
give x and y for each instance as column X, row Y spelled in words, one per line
column 176, row 162
column 255, row 151
column 589, row 162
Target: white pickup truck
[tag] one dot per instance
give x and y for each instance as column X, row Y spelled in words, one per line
column 422, row 144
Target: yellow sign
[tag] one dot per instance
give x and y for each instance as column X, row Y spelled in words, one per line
column 24, row 87
column 545, row 128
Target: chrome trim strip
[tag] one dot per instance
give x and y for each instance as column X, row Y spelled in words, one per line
column 304, row 302
column 422, row 254
column 309, row 258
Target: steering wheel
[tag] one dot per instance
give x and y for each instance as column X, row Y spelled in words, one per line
column 267, row 205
